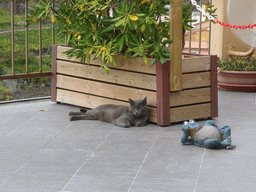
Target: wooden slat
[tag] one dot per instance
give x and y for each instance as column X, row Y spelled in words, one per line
column 116, row 76
column 190, row 112
column 105, row 89
column 177, row 114
column 128, row 78
column 195, row 80
column 90, row 101
column 195, row 64
column 132, row 64
column 185, row 97
column 193, row 96
column 176, row 46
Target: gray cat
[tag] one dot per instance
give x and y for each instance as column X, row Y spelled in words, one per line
column 123, row 116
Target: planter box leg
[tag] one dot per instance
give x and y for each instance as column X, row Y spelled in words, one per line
column 163, row 93
column 214, row 88
column 54, row 73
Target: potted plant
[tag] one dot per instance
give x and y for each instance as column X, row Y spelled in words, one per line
column 126, row 37
column 238, row 74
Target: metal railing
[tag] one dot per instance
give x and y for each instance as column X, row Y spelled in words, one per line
column 27, row 74
column 199, row 49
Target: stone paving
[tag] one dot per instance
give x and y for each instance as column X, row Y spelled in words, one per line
column 41, row 150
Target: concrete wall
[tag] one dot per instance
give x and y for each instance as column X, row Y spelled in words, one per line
column 222, row 38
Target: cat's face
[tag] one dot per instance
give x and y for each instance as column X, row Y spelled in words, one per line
column 138, row 107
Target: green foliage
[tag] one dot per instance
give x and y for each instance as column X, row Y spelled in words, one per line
column 186, row 13
column 5, row 16
column 239, row 64
column 210, row 11
column 6, row 94
column 107, row 28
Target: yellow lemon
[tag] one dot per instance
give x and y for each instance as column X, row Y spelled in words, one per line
column 79, row 37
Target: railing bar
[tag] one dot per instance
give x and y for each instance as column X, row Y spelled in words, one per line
column 190, row 35
column 12, row 28
column 40, row 45
column 66, row 36
column 26, row 36
column 210, row 33
column 25, row 100
column 200, row 29
column 53, row 30
column 29, row 75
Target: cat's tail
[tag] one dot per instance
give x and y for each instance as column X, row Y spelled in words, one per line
column 83, row 110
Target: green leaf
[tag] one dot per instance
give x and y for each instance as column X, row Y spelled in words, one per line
column 142, row 28
column 167, row 41
column 127, row 55
column 106, row 69
column 88, row 59
column 136, row 54
column 153, row 61
column 162, row 59
column 97, row 55
column 145, row 59
column 121, row 44
column 113, row 61
column 108, row 29
column 120, row 22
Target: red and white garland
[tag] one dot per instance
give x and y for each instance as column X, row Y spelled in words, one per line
column 210, row 17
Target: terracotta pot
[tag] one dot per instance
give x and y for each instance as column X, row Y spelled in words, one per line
column 237, row 80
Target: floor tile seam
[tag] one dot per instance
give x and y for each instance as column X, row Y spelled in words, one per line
column 35, row 115
column 201, row 164
column 135, row 177
column 34, row 155
column 90, row 155
column 9, row 133
column 18, row 127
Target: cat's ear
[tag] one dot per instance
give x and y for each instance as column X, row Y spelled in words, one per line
column 144, row 102
column 131, row 101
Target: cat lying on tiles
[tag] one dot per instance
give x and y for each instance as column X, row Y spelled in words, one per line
column 123, row 116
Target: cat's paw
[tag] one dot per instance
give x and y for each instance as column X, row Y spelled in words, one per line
column 140, row 124
column 71, row 113
column 73, row 118
column 83, row 110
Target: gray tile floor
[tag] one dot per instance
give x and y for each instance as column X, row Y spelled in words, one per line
column 44, row 151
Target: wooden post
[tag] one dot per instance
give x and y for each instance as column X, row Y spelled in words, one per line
column 163, row 93
column 176, row 46
column 54, row 73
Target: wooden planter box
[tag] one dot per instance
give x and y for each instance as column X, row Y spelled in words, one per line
column 88, row 86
